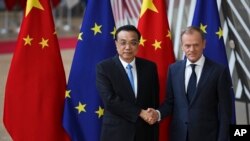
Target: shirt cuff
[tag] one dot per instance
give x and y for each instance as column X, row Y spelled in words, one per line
column 159, row 115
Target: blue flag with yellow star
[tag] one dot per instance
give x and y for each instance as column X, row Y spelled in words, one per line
column 83, row 108
column 206, row 16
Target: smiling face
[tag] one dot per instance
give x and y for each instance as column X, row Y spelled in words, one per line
column 127, row 45
column 192, row 45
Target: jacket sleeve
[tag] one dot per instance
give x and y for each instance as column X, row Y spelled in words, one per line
column 167, row 107
column 225, row 105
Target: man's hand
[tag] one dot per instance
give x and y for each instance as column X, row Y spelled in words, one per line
column 150, row 115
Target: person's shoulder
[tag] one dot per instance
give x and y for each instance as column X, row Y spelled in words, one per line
column 178, row 63
column 218, row 67
column 107, row 61
column 213, row 63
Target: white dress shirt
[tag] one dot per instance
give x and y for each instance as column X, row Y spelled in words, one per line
column 198, row 70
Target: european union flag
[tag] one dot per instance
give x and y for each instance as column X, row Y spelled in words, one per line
column 83, row 110
column 206, row 16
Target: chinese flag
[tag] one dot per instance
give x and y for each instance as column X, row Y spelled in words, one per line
column 35, row 88
column 22, row 3
column 156, row 45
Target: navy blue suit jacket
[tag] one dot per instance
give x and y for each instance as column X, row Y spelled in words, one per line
column 121, row 121
column 207, row 117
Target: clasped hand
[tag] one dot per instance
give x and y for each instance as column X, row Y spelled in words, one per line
column 150, row 115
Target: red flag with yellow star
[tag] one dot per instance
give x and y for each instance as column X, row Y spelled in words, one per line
column 22, row 3
column 35, row 88
column 156, row 45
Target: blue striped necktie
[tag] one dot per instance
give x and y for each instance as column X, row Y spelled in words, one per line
column 130, row 75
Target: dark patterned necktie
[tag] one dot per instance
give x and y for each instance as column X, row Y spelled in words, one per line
column 192, row 84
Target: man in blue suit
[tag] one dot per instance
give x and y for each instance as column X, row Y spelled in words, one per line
column 127, row 96
column 198, row 94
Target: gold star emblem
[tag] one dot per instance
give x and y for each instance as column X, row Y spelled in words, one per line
column 203, row 28
column 220, row 33
column 100, row 112
column 113, row 33
column 67, row 94
column 148, row 4
column 27, row 40
column 31, row 4
column 96, row 29
column 44, row 43
column 169, row 35
column 142, row 40
column 80, row 36
column 157, row 44
column 81, row 107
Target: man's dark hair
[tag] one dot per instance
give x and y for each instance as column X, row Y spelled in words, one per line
column 128, row 28
column 191, row 29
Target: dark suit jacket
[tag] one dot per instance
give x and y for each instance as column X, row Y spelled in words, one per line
column 207, row 116
column 121, row 121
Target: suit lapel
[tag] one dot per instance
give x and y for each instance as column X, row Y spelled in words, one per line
column 139, row 68
column 182, row 80
column 124, row 76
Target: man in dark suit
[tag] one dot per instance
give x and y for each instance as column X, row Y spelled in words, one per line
column 198, row 94
column 125, row 99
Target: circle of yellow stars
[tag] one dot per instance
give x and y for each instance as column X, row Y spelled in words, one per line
column 96, row 29
column 204, row 29
column 82, row 107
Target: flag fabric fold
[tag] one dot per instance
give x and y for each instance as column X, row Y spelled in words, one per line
column 206, row 17
column 83, row 109
column 156, row 45
column 35, row 88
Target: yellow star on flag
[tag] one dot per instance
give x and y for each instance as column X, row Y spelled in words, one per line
column 100, row 112
column 67, row 94
column 148, row 4
column 31, row 4
column 169, row 35
column 81, row 107
column 80, row 36
column 96, row 29
column 44, row 43
column 113, row 33
column 27, row 40
column 157, row 44
column 220, row 33
column 142, row 40
column 203, row 28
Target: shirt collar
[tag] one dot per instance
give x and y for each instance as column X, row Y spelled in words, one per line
column 124, row 64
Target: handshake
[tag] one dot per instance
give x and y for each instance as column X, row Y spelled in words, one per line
column 150, row 115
